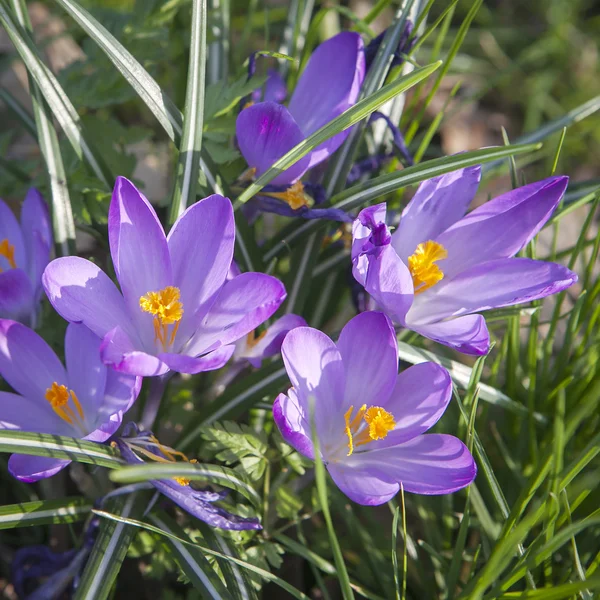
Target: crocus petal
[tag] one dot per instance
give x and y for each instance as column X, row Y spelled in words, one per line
column 467, row 334
column 37, row 235
column 139, row 251
column 33, row 468
column 82, row 293
column 494, row 284
column 270, row 343
column 328, row 86
column 120, row 393
column 429, row 464
column 265, row 132
column 27, row 363
column 86, row 371
column 314, row 366
column 11, row 230
column 501, row 227
column 19, row 412
column 188, row 364
column 275, row 88
column 106, row 429
column 201, row 248
column 292, row 424
column 420, row 397
column 369, row 351
column 16, row 296
column 117, row 351
column 242, row 305
column 438, row 203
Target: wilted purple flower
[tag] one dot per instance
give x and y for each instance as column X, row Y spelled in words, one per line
column 369, row 420
column 86, row 400
column 405, row 45
column 199, row 503
column 440, row 267
column 176, row 310
column 328, row 86
column 24, row 254
column 255, row 348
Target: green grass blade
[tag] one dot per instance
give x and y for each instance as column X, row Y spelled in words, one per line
column 56, row 446
column 188, row 167
column 559, row 592
column 44, row 512
column 19, row 111
column 108, row 552
column 348, row 118
column 191, row 560
column 195, row 471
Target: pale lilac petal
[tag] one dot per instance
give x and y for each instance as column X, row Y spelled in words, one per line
column 18, row 412
column 191, row 365
column 494, row 284
column 11, row 230
column 438, row 203
column 16, row 296
column 328, row 86
column 429, row 464
column 501, row 227
column 369, row 351
column 293, row 424
column 363, row 485
column 243, row 304
column 315, row 368
column 27, row 363
column 420, row 397
column 275, row 88
column 265, row 132
column 105, row 429
column 270, row 343
column 37, row 235
column 82, row 293
column 118, row 352
column 85, row 369
column 120, row 392
column 139, row 251
column 30, row 469
column 467, row 334
column 201, row 248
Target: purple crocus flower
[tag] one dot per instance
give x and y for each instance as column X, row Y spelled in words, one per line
column 198, row 503
column 440, row 267
column 24, row 253
column 255, row 348
column 84, row 400
column 369, row 420
column 176, row 310
column 328, row 86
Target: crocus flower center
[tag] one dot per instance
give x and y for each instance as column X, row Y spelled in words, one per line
column 252, row 339
column 59, row 397
column 424, row 271
column 8, row 251
column 167, row 310
column 294, row 196
column 169, row 455
column 373, row 423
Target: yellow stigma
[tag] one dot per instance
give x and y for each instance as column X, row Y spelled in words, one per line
column 167, row 310
column 59, row 396
column 252, row 339
column 183, row 481
column 294, row 196
column 424, row 271
column 8, row 251
column 380, row 422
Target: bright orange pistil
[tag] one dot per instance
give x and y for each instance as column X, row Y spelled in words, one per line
column 294, row 196
column 424, row 271
column 170, row 454
column 252, row 339
column 8, row 251
column 379, row 423
column 167, row 310
column 59, row 397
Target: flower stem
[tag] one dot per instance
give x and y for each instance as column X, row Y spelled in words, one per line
column 155, row 394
